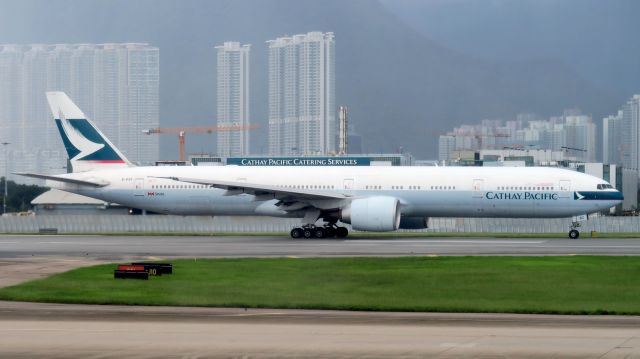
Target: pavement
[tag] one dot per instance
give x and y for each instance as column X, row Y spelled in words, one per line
column 80, row 331
column 30, row 330
column 118, row 247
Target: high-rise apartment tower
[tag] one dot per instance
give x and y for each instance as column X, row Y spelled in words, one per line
column 302, row 113
column 233, row 97
column 116, row 85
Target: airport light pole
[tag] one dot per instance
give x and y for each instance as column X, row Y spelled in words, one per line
column 6, row 173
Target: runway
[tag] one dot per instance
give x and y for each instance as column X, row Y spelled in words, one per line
column 118, row 247
column 80, row 331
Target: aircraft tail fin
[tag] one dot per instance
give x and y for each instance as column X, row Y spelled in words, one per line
column 88, row 148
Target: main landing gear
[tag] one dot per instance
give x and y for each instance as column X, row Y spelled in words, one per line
column 328, row 230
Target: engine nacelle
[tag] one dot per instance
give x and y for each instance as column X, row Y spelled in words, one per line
column 375, row 214
column 414, row 222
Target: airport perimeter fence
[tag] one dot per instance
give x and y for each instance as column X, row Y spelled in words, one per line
column 104, row 224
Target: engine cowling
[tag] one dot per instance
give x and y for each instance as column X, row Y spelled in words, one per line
column 414, row 222
column 375, row 214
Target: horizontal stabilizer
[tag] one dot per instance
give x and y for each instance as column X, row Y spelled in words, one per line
column 81, row 182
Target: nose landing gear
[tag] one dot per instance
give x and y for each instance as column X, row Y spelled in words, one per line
column 573, row 232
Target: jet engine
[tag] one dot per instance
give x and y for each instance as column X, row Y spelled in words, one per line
column 375, row 214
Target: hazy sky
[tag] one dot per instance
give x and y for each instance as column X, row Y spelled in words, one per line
column 407, row 69
column 596, row 37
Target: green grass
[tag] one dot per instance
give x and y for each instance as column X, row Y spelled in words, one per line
column 570, row 284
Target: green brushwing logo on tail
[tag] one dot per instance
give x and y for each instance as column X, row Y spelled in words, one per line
column 84, row 143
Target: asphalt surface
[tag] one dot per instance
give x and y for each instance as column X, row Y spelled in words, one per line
column 79, row 331
column 30, row 330
column 119, row 247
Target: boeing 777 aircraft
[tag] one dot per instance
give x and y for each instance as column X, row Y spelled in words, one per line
column 369, row 198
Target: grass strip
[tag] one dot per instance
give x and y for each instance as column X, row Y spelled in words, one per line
column 556, row 285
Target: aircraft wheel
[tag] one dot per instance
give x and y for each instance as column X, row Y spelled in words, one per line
column 296, row 233
column 574, row 234
column 329, row 232
column 319, row 232
column 342, row 232
column 307, row 233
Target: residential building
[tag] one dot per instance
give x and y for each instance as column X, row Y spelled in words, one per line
column 630, row 146
column 446, row 146
column 580, row 137
column 233, row 98
column 302, row 112
column 571, row 132
column 115, row 85
column 612, row 146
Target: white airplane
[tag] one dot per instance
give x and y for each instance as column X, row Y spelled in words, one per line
column 368, row 198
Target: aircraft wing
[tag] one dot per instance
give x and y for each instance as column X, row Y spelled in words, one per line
column 236, row 187
column 82, row 182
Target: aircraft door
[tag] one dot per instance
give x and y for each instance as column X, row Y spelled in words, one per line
column 139, row 187
column 478, row 187
column 565, row 188
column 348, row 184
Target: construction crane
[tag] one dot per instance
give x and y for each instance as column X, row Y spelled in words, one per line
column 182, row 131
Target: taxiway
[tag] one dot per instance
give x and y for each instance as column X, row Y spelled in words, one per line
column 116, row 247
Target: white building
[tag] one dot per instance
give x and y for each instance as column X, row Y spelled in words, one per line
column 302, row 118
column 580, row 137
column 630, row 146
column 233, row 98
column 116, row 85
column 572, row 133
column 612, row 146
column 446, row 146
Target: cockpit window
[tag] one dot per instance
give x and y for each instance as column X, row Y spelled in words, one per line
column 604, row 186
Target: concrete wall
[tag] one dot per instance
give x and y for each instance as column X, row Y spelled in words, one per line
column 176, row 224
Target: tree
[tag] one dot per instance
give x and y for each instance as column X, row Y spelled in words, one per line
column 20, row 195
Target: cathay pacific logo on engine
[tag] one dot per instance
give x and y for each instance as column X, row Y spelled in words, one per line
column 84, row 143
column 526, row 196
